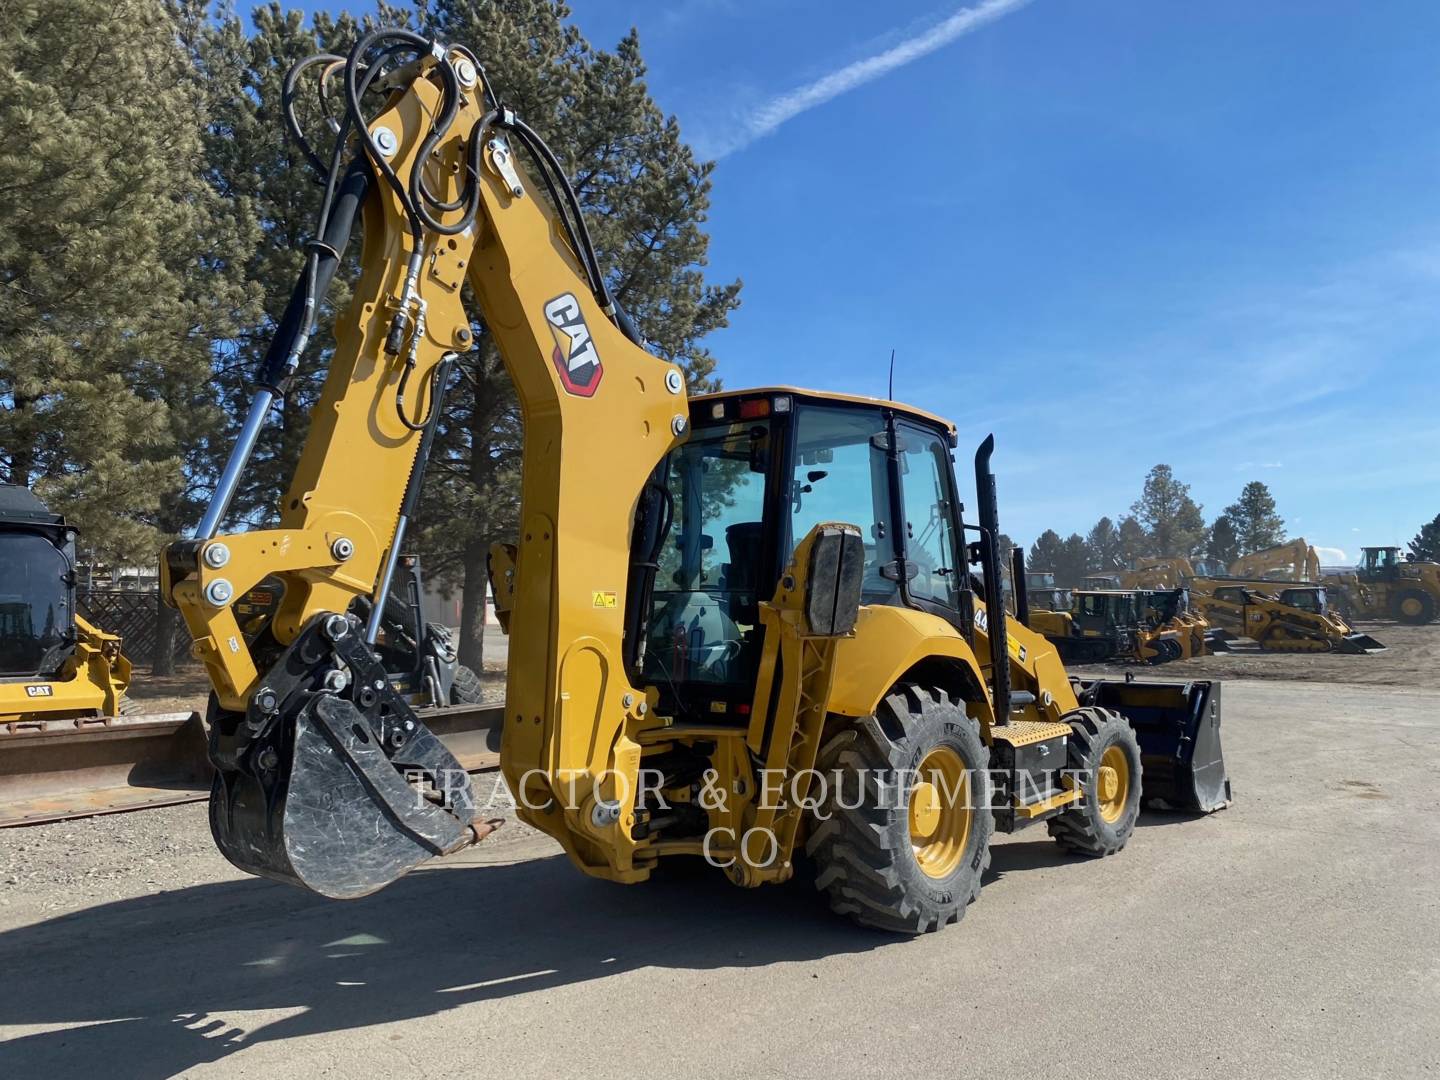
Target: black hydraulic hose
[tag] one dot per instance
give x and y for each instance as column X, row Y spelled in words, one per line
column 275, row 369
column 287, row 106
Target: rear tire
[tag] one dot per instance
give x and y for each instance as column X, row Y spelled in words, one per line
column 890, row 778
column 466, row 689
column 129, row 706
column 1101, row 822
column 1414, row 606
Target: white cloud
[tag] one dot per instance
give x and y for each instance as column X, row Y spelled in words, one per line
column 763, row 120
column 1332, row 556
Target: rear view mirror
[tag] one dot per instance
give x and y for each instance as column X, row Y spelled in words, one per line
column 837, row 567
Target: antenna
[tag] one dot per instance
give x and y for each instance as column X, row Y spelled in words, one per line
column 890, row 394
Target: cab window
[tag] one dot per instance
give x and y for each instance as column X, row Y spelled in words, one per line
column 838, row 473
column 930, row 542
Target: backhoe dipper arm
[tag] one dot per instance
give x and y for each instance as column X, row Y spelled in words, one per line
column 443, row 200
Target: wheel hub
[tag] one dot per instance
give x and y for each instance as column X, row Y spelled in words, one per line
column 940, row 813
column 1112, row 783
column 924, row 810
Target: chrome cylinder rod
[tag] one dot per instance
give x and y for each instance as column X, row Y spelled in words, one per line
column 382, row 590
column 239, row 455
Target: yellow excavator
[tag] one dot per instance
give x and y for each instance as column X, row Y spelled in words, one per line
column 743, row 627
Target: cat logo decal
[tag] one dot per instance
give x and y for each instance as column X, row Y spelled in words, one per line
column 575, row 357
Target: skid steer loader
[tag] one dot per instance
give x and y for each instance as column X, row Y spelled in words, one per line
column 749, row 627
column 1294, row 619
column 53, row 664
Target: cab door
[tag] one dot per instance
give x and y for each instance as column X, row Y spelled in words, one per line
column 929, row 512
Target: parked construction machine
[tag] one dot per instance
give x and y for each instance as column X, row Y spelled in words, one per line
column 1386, row 586
column 1137, row 625
column 1292, row 561
column 742, row 626
column 1294, row 619
column 54, row 665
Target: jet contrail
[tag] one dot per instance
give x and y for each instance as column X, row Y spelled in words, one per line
column 775, row 112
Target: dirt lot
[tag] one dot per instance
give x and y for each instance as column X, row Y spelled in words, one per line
column 1411, row 659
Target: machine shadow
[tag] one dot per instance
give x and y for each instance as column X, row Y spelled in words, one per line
column 157, row 985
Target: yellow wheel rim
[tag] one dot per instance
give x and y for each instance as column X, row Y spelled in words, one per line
column 940, row 814
column 1112, row 783
column 1410, row 606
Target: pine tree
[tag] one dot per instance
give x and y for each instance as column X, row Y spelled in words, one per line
column 1222, row 543
column 1074, row 561
column 1257, row 525
column 1104, row 551
column 1133, row 541
column 1173, row 522
column 101, row 220
column 1426, row 545
column 1047, row 554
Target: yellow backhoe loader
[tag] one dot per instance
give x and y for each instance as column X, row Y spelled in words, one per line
column 743, row 627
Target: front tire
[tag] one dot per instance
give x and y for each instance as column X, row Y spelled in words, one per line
column 466, row 689
column 1104, row 757
column 902, row 837
column 1415, row 607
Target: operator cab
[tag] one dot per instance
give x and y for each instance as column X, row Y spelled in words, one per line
column 759, row 470
column 1311, row 600
column 1380, row 564
column 37, row 586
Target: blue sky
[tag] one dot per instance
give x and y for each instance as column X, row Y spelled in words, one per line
column 1114, row 232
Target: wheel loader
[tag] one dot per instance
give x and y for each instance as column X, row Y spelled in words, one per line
column 53, row 664
column 753, row 628
column 1386, row 586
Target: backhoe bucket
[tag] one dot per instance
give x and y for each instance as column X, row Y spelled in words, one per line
column 341, row 819
column 1178, row 727
column 1359, row 643
column 339, row 790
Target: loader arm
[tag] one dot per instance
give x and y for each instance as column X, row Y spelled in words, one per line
column 599, row 412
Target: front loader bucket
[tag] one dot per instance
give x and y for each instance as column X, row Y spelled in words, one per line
column 1359, row 643
column 1178, row 727
column 1220, row 640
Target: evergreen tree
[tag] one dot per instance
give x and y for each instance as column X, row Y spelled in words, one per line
column 1426, row 545
column 1046, row 553
column 102, row 226
column 1103, row 546
column 1074, row 561
column 1173, row 522
column 1133, row 541
column 1257, row 525
column 1222, row 543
